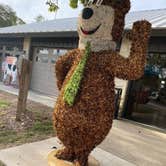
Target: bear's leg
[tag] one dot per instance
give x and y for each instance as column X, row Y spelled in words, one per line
column 81, row 159
column 65, row 154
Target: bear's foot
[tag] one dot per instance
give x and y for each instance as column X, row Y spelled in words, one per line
column 65, row 154
column 81, row 159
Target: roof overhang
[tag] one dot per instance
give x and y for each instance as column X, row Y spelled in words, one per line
column 42, row 34
column 156, row 32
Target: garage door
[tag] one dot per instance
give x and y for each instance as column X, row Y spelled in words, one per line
column 43, row 71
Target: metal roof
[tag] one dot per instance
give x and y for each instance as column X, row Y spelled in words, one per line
column 156, row 17
column 58, row 25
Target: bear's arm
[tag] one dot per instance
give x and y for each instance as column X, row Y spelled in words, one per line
column 63, row 65
column 132, row 68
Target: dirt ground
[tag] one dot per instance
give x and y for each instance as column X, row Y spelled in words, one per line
column 35, row 124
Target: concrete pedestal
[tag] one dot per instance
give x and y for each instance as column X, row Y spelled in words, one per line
column 53, row 161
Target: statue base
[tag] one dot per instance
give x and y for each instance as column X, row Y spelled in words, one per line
column 53, row 161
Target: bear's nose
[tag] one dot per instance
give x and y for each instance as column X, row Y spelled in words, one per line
column 87, row 13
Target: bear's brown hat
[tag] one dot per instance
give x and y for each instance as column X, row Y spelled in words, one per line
column 123, row 5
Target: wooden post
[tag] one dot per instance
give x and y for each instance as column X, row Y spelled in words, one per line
column 24, row 81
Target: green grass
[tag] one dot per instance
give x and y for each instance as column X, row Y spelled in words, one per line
column 45, row 127
column 38, row 131
column 42, row 127
column 4, row 104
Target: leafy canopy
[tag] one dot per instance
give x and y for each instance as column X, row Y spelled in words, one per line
column 39, row 18
column 8, row 16
column 53, row 6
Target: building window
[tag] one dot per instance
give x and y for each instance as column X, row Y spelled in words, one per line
column 41, row 59
column 56, row 54
column 147, row 97
column 59, row 52
column 43, row 51
column 44, row 59
column 9, row 48
column 53, row 60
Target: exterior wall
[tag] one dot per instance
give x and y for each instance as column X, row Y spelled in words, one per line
column 125, row 52
column 56, row 42
column 11, row 41
column 157, row 44
column 44, row 56
column 27, row 46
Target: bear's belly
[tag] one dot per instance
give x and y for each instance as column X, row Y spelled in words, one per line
column 89, row 120
column 79, row 129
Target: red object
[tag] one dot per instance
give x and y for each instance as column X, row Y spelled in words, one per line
column 11, row 60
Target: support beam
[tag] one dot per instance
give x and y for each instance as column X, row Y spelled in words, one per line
column 125, row 52
column 27, row 47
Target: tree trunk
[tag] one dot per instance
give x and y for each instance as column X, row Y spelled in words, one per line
column 24, row 81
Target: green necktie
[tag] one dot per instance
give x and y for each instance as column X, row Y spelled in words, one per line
column 73, row 85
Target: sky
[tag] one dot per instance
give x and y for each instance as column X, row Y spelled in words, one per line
column 29, row 9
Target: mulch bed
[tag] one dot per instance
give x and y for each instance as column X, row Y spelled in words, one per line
column 35, row 122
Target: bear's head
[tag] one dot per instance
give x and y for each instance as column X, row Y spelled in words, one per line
column 101, row 23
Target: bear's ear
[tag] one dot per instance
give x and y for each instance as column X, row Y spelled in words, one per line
column 121, row 8
column 117, row 1
column 123, row 5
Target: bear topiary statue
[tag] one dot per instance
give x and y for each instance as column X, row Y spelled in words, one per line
column 84, row 110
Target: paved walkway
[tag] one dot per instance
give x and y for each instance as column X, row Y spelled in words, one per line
column 35, row 154
column 137, row 144
column 34, row 96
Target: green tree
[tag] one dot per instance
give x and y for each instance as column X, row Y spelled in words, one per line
column 40, row 18
column 8, row 16
column 53, row 4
